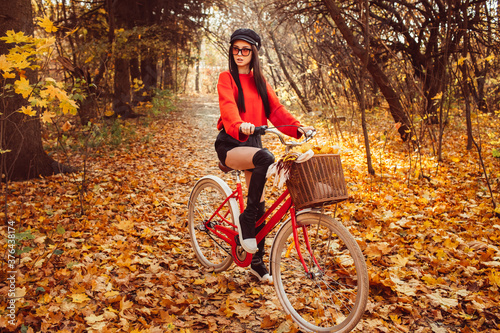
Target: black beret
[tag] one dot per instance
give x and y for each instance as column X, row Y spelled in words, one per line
column 248, row 35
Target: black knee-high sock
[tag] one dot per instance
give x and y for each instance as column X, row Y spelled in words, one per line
column 261, row 210
column 261, row 160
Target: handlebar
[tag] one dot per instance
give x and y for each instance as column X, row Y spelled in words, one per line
column 289, row 144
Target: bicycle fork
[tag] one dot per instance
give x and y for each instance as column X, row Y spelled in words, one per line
column 295, row 228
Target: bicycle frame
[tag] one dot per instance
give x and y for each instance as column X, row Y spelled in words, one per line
column 230, row 235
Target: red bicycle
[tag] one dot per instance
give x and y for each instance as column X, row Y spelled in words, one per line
column 318, row 269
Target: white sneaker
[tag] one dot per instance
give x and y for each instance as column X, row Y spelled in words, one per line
column 259, row 269
column 248, row 244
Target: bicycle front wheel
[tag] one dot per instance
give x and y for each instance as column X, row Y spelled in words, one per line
column 333, row 295
column 206, row 197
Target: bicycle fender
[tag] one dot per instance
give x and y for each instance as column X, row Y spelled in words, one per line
column 300, row 212
column 226, row 188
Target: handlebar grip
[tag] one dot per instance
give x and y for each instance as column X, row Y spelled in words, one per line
column 260, row 130
column 310, row 133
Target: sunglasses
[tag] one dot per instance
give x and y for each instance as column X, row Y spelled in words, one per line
column 244, row 52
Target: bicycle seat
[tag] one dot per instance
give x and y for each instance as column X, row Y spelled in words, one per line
column 224, row 168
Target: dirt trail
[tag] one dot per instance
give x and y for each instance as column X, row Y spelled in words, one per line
column 232, row 301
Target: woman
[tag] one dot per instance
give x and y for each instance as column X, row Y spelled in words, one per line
column 247, row 101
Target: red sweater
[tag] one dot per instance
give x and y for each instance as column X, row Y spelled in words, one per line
column 231, row 118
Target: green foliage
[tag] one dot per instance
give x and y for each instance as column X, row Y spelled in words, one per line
column 496, row 153
column 163, row 102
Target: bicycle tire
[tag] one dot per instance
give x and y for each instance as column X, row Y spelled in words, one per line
column 206, row 196
column 331, row 300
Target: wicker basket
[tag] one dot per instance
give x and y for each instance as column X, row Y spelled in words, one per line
column 318, row 181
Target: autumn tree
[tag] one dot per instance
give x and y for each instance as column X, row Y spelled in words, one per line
column 22, row 153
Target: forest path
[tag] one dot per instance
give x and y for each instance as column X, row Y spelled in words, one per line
column 232, row 301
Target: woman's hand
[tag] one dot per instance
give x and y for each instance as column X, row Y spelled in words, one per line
column 305, row 129
column 247, row 128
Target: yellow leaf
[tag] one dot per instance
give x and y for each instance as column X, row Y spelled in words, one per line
column 38, row 102
column 112, row 293
column 199, row 282
column 68, row 106
column 429, row 280
column 395, row 319
column 399, row 260
column 47, row 116
column 111, row 309
column 19, row 60
column 440, row 254
column 227, row 310
column 44, row 299
column 27, row 110
column 490, row 57
column 5, row 65
column 53, row 92
column 494, row 278
column 8, row 75
column 22, row 86
column 47, row 24
column 109, row 113
column 254, row 291
column 79, row 298
column 438, row 96
column 450, row 244
column 418, row 246
column 455, row 159
column 13, row 37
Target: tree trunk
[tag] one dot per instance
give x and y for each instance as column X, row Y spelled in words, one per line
column 362, row 73
column 149, row 73
column 121, row 96
column 135, row 74
column 392, row 98
column 197, row 66
column 168, row 75
column 20, row 134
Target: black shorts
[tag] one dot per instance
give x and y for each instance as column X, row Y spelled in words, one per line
column 226, row 142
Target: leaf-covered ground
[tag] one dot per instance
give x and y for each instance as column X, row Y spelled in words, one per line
column 432, row 243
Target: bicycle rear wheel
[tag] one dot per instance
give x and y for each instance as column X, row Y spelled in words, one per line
column 333, row 296
column 206, row 197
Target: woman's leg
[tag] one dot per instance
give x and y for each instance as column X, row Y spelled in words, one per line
column 257, row 266
column 241, row 158
column 259, row 160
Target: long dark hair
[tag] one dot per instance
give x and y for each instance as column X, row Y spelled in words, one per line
column 260, row 81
